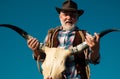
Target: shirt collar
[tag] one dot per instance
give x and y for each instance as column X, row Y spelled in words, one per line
column 75, row 28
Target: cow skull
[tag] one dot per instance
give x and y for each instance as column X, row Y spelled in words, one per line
column 54, row 63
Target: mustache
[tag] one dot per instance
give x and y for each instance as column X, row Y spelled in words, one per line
column 68, row 21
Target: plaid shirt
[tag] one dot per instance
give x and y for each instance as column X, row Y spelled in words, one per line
column 66, row 39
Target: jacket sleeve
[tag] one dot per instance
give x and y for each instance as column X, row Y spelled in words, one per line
column 92, row 59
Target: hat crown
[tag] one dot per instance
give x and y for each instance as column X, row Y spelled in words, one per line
column 69, row 5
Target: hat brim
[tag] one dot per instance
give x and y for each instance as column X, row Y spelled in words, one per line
column 80, row 12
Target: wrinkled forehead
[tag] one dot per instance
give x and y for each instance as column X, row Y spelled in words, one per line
column 73, row 14
column 69, row 12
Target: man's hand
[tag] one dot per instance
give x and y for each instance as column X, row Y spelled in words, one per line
column 33, row 44
column 94, row 44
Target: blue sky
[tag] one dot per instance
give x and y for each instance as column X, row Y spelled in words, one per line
column 37, row 16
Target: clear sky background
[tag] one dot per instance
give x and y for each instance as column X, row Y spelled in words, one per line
column 37, row 16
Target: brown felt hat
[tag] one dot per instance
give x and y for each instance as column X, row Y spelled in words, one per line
column 69, row 5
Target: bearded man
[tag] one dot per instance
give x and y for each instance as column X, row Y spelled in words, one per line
column 69, row 35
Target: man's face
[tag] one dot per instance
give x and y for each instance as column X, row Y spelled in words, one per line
column 68, row 19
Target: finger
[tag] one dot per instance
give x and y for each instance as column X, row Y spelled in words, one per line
column 35, row 44
column 90, row 36
column 97, row 38
column 28, row 41
column 89, row 41
column 33, row 40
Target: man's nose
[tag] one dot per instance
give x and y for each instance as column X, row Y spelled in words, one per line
column 68, row 16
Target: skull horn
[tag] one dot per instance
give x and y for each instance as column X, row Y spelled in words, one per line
column 20, row 31
column 83, row 46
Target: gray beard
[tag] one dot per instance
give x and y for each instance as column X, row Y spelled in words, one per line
column 67, row 27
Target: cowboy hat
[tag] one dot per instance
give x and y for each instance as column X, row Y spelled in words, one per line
column 69, row 5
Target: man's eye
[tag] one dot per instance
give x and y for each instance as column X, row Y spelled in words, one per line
column 65, row 14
